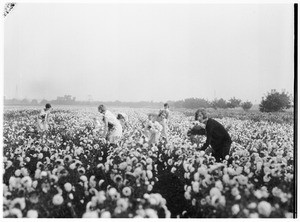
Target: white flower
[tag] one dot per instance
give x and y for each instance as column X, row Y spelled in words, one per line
column 122, row 204
column 26, row 181
column 195, row 186
column 57, row 199
column 90, row 214
column 34, row 183
column 43, row 173
column 20, row 201
column 252, row 205
column 288, row 215
column 112, row 191
column 266, row 178
column 17, row 173
column 235, row 191
column 187, row 195
column 149, row 187
column 17, row 212
column 32, row 214
column 264, row 208
column 83, row 178
column 253, row 215
column 214, row 192
column 196, row 176
column 68, row 187
column 222, row 200
column 202, row 171
column 242, row 179
column 258, row 194
column 219, row 185
column 226, row 179
column 150, row 213
column 235, row 209
column 106, row 214
column 149, row 174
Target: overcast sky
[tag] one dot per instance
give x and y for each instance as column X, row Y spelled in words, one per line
column 159, row 52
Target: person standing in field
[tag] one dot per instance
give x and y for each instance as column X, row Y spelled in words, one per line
column 112, row 126
column 216, row 135
column 43, row 118
column 163, row 116
column 153, row 129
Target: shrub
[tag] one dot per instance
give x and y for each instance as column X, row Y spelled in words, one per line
column 275, row 102
column 246, row 105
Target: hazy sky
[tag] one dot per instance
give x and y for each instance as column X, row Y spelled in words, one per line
column 159, row 52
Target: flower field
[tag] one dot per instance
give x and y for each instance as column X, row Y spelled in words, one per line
column 71, row 172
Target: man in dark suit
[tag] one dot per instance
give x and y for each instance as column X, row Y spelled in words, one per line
column 217, row 135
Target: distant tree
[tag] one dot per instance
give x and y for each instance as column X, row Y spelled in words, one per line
column 219, row 103
column 25, row 101
column 233, row 103
column 43, row 102
column 275, row 102
column 34, row 102
column 213, row 103
column 246, row 105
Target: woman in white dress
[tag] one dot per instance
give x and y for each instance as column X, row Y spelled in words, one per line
column 43, row 118
column 163, row 117
column 153, row 129
column 112, row 126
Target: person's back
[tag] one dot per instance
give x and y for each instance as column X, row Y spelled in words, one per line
column 217, row 131
column 112, row 127
column 216, row 135
column 111, row 118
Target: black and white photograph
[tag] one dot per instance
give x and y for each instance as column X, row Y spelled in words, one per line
column 149, row 109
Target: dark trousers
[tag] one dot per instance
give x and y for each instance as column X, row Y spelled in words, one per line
column 221, row 150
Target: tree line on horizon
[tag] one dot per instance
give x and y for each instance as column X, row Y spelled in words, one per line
column 274, row 101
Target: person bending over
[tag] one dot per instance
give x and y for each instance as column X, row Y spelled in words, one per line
column 112, row 127
column 216, row 135
column 153, row 129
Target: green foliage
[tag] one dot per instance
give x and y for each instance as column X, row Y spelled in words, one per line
column 233, row 103
column 246, row 105
column 275, row 102
column 219, row 103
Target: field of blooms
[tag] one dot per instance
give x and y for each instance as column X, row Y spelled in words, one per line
column 70, row 172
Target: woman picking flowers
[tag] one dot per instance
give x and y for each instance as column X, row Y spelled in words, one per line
column 112, row 126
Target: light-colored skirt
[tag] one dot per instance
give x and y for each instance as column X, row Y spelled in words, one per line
column 153, row 137
column 41, row 125
column 165, row 128
column 115, row 133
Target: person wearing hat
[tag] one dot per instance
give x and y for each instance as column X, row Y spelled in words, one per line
column 43, row 118
column 216, row 135
column 112, row 126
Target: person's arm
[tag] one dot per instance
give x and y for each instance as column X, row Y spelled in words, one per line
column 209, row 130
column 105, row 126
column 167, row 114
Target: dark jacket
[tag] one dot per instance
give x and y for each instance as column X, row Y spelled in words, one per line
column 216, row 135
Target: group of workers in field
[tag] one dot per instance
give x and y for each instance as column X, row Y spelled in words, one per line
column 156, row 127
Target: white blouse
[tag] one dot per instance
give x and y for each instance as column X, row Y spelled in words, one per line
column 111, row 118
